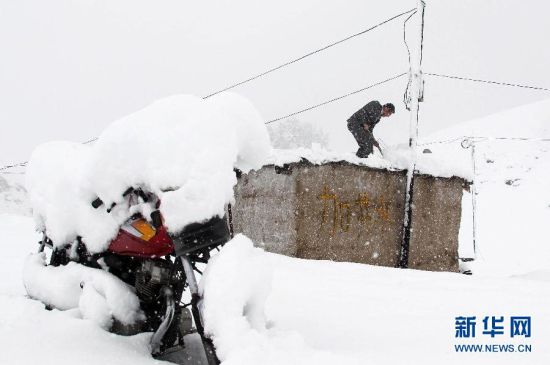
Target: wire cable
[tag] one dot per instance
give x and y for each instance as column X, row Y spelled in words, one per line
column 487, row 81
column 482, row 139
column 90, row 141
column 338, row 98
column 23, row 164
column 310, row 54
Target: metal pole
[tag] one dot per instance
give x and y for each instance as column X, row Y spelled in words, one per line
column 417, row 82
column 415, row 96
column 474, row 197
column 196, row 303
column 190, row 274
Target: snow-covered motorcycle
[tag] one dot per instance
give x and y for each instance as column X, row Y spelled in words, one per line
column 158, row 265
column 128, row 264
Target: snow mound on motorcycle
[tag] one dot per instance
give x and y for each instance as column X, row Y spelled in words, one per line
column 182, row 148
column 236, row 285
column 98, row 295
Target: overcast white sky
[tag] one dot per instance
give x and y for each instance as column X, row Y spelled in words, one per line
column 70, row 67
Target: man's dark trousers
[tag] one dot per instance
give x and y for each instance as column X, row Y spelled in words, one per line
column 364, row 139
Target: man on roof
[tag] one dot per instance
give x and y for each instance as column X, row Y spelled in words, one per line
column 361, row 124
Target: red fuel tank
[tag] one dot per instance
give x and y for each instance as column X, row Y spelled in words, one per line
column 139, row 238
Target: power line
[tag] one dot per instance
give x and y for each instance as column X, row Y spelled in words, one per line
column 23, row 164
column 482, row 139
column 517, row 139
column 338, row 98
column 488, row 82
column 309, row 54
column 90, row 141
column 413, row 11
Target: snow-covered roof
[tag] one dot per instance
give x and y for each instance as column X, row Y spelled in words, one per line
column 395, row 158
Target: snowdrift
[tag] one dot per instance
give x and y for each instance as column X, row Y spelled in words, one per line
column 236, row 286
column 99, row 295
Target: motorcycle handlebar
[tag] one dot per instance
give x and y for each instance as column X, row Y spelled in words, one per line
column 98, row 202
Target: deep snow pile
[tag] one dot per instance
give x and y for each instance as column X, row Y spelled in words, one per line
column 317, row 312
column 236, row 286
column 181, row 148
column 30, row 334
column 98, row 295
column 394, row 158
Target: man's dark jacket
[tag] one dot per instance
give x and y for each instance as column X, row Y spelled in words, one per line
column 369, row 114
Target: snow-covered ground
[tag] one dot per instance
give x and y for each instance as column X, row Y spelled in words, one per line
column 513, row 199
column 13, row 195
column 319, row 312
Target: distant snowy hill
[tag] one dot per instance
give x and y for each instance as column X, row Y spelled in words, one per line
column 512, row 166
column 529, row 121
column 13, row 195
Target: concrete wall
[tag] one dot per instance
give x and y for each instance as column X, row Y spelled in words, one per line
column 349, row 214
column 435, row 223
column 265, row 210
column 344, row 212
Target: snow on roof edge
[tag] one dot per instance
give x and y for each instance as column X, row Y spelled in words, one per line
column 394, row 159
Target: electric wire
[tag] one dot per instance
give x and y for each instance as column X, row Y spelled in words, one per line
column 90, row 141
column 487, row 81
column 310, row 54
column 482, row 139
column 405, row 98
column 338, row 98
column 515, row 138
column 271, row 121
column 23, row 164
column 474, row 139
